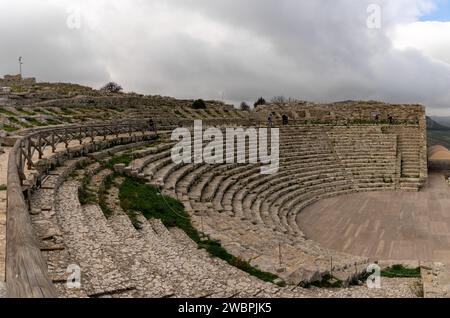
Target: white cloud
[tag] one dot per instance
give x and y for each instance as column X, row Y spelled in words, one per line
column 317, row 50
column 431, row 38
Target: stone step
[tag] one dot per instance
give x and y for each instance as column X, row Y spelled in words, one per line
column 435, row 280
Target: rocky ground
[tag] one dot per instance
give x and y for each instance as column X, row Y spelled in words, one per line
column 390, row 288
column 2, row 290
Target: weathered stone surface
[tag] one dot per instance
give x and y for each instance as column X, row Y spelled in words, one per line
column 251, row 215
column 2, row 290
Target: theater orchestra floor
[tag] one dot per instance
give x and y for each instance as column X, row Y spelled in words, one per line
column 385, row 225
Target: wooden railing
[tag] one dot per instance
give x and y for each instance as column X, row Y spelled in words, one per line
column 38, row 141
column 26, row 269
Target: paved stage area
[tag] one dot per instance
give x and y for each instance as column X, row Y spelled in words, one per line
column 385, row 225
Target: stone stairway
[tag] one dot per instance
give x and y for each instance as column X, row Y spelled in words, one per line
column 234, row 197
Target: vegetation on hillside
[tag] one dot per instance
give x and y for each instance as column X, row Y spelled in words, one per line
column 260, row 102
column 112, row 87
column 245, row 107
column 399, row 271
column 436, row 137
column 199, row 104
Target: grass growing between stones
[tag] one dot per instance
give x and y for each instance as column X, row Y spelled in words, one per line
column 9, row 128
column 328, row 281
column 399, row 271
column 85, row 194
column 26, row 112
column 7, row 112
column 108, row 183
column 52, row 122
column 135, row 195
column 35, row 122
column 126, row 159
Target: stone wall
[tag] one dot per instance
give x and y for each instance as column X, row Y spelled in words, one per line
column 342, row 113
column 407, row 121
column 11, row 80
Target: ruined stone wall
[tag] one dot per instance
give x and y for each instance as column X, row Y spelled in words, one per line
column 342, row 113
column 11, row 80
column 408, row 122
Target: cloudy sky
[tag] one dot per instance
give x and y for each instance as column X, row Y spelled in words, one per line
column 320, row 50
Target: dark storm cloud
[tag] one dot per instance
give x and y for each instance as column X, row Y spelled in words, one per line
column 316, row 50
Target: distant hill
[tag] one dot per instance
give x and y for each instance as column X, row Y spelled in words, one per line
column 444, row 121
column 432, row 124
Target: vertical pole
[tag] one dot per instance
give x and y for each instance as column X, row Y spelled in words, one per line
column 20, row 66
column 66, row 138
column 40, row 146
column 29, row 154
column 92, row 134
column 201, row 220
column 21, row 164
column 331, row 265
column 279, row 254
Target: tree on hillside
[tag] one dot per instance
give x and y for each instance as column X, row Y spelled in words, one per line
column 199, row 104
column 260, row 102
column 112, row 87
column 245, row 107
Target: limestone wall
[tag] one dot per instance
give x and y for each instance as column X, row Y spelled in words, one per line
column 10, row 80
column 408, row 122
column 342, row 113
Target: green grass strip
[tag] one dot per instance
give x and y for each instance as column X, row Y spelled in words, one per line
column 135, row 195
column 399, row 271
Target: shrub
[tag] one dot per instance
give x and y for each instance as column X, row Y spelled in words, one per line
column 112, row 87
column 245, row 107
column 399, row 271
column 260, row 102
column 199, row 104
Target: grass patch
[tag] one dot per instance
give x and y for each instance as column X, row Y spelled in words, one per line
column 13, row 120
column 103, row 192
column 43, row 112
column 214, row 248
column 18, row 89
column 9, row 128
column 67, row 111
column 7, row 112
column 26, row 112
column 85, row 194
column 328, row 281
column 126, row 159
column 135, row 195
column 399, row 271
column 73, row 175
column 16, row 121
column 51, row 111
column 35, row 122
column 52, row 122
